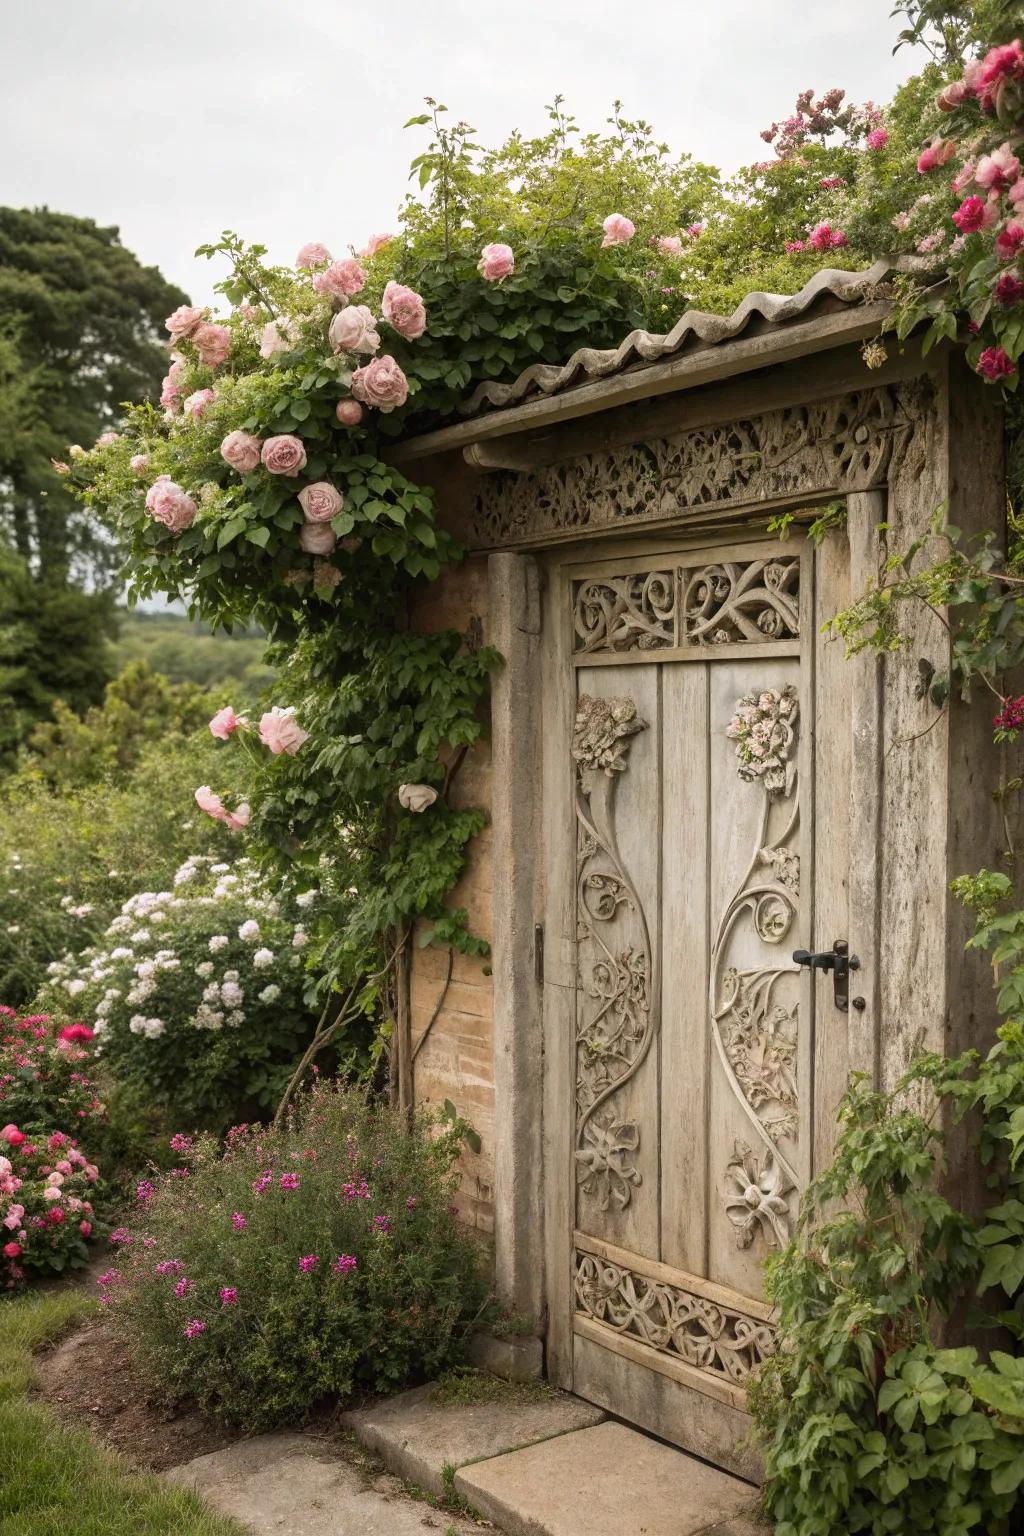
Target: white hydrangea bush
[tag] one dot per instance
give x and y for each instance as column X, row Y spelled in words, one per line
column 197, row 993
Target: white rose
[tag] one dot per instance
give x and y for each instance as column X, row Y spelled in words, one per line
column 263, row 958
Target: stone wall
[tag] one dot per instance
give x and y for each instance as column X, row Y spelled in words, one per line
column 455, row 1060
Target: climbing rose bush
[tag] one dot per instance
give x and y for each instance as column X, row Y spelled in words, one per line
column 46, row 1073
column 296, row 1265
column 195, row 994
column 47, row 1186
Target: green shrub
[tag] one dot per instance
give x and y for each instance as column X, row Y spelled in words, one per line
column 299, row 1264
column 196, row 992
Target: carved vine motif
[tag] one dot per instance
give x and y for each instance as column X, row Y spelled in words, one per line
column 851, row 443
column 755, row 600
column 724, row 1343
column 755, row 1030
column 614, row 1025
column 625, row 613
column 756, row 1197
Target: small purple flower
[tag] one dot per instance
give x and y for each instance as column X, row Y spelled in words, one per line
column 144, row 1191
column 344, row 1263
column 149, row 1242
column 381, row 1224
column 309, row 1262
column 183, row 1286
column 180, row 1142
column 120, row 1235
column 410, row 1204
column 169, row 1267
column 179, row 1173
column 354, row 1191
column 264, row 1181
column 193, row 1327
column 238, row 1221
column 289, row 1181
column 110, row 1278
column 228, row 1296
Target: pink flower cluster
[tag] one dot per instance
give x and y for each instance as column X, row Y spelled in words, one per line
column 1010, row 719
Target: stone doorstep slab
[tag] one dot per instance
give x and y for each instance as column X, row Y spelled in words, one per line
column 608, row 1480
column 417, row 1437
column 293, row 1485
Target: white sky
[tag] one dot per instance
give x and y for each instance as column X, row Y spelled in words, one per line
column 282, row 119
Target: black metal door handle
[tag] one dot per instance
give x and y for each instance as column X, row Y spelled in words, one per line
column 839, row 961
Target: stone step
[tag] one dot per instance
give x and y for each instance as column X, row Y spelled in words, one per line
column 418, row 1435
column 608, row 1480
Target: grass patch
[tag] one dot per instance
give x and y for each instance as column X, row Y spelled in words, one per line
column 463, row 1384
column 59, row 1482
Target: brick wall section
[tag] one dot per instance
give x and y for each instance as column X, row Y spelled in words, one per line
column 456, row 1060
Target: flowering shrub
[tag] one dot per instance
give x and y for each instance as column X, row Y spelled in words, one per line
column 196, row 993
column 297, row 1264
column 46, row 1211
column 45, row 1064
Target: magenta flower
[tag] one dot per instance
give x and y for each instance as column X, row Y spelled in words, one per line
column 169, row 1267
column 878, row 138
column 183, row 1286
column 110, row 1278
column 144, row 1191
column 309, row 1262
column 289, row 1181
column 344, row 1263
column 119, row 1236
column 994, row 364
column 228, row 1296
column 180, row 1142
column 238, row 1221
column 410, row 1204
column 264, row 1181
column 970, row 216
column 193, row 1327
column 1009, row 290
column 381, row 1224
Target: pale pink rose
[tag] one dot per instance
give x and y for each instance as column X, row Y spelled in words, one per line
column 281, row 732
column 317, row 538
column 56, row 1179
column 312, row 255
column 167, row 503
column 213, row 805
column 1016, row 193
column 283, row 455
column 496, row 262
column 349, row 412
column 224, row 722
column 242, row 451
column 404, row 310
column 381, row 383
column 170, row 395
column 185, row 321
column 139, row 463
column 669, row 245
column 13, row 1217
column 213, row 343
column 998, row 170
column 376, row 243
column 953, row 95
column 278, row 336
column 106, row 438
column 237, row 819
column 618, row 230
column 197, row 402
column 354, row 330
column 320, row 502
column 963, row 178
column 341, row 280
column 51, row 1192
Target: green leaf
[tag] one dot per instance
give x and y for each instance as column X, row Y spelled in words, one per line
column 230, row 531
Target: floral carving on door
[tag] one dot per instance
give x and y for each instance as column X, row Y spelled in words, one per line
column 614, row 1026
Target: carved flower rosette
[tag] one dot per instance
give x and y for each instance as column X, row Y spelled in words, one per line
column 763, row 728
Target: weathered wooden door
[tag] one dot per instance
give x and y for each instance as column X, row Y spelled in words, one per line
column 683, row 855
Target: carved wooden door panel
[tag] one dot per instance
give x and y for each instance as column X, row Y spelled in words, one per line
column 680, row 1087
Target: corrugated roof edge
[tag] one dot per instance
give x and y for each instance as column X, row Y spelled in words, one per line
column 709, row 330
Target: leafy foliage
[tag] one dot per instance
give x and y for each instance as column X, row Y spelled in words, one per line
column 327, row 1257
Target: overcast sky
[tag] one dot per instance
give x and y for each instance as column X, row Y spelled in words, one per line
column 282, row 119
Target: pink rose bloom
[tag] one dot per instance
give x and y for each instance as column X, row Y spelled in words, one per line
column 12, row 1136
column 11, row 1250
column 1009, row 241
column 185, row 321
column 878, row 138
column 496, row 262
column 953, row 95
column 278, row 336
column 167, row 503
column 823, row 237
column 13, row 1217
column 317, row 538
column 970, row 216
column 999, row 66
column 283, row 455
column 213, row 343
column 1016, row 193
column 170, row 395
column 404, row 310
column 212, row 804
column 237, row 819
column 85, row 1227
column 381, row 384
column 354, row 330
column 242, row 451
column 139, row 463
column 669, row 245
column 998, row 170
column 349, row 412
column 197, row 402
column 695, row 231
column 312, row 255
column 106, row 438
column 320, row 502
column 994, row 364
column 341, row 280
column 51, row 1192
column 224, row 722
column 939, row 151
column 376, row 243
column 281, row 732
column 1009, row 290
column 618, row 230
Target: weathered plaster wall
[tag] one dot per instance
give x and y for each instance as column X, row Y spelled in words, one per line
column 455, row 1060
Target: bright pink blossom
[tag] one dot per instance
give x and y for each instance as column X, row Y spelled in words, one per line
column 999, row 66
column 281, row 732
column 309, row 1262
column 75, row 1032
column 823, row 237
column 618, row 230
column 238, row 1221
column 496, row 262
column 994, row 364
column 381, row 383
column 194, row 1327
column 12, row 1250
column 791, row 247
column 970, row 216
column 344, row 1263
column 283, row 455
column 312, row 255
column 1009, row 241
column 228, row 1296
column 12, row 1136
column 1009, row 290
column 939, row 152
column 1011, row 716
column 242, row 451
column 404, row 311
column 222, row 724
column 85, row 1227
column 953, row 95
column 878, row 138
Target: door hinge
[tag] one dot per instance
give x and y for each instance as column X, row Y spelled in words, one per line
column 538, row 952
